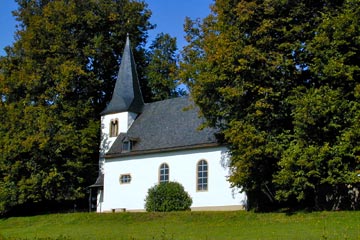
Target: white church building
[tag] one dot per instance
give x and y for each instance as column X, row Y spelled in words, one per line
column 144, row 144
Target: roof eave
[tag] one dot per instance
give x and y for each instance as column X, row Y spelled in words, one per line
column 135, row 109
column 161, row 150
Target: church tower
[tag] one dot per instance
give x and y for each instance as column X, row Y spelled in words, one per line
column 125, row 105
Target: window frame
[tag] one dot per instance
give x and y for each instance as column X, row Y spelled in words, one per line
column 114, row 127
column 127, row 145
column 201, row 186
column 166, row 175
column 125, row 178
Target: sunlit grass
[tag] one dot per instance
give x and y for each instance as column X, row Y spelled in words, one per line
column 184, row 225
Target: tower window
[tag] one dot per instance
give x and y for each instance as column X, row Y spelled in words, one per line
column 114, row 127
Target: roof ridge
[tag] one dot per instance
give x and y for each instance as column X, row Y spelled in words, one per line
column 170, row 99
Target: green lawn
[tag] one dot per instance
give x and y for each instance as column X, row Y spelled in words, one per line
column 184, row 225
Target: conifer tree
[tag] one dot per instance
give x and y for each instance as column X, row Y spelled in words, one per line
column 162, row 68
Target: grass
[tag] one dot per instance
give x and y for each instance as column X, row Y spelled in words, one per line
column 184, row 225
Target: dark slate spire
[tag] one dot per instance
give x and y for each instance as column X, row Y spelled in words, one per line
column 127, row 95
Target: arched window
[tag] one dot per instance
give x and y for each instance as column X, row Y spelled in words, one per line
column 164, row 173
column 114, row 127
column 202, row 176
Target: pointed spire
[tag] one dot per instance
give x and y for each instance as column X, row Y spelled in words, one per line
column 127, row 95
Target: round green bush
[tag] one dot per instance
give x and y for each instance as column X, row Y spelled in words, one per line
column 167, row 197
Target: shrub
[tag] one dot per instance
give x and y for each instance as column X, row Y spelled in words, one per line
column 167, row 197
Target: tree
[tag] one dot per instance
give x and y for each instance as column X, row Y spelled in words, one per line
column 162, row 68
column 250, row 65
column 323, row 157
column 55, row 80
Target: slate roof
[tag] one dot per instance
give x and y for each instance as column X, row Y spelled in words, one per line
column 99, row 181
column 127, row 94
column 167, row 125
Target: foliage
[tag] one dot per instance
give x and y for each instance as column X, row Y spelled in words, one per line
column 280, row 80
column 167, row 197
column 323, row 157
column 184, row 225
column 161, row 70
column 54, row 81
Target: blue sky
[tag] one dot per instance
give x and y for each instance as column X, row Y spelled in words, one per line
column 168, row 15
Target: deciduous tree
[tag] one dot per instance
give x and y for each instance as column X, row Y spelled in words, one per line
column 55, row 79
column 321, row 164
column 256, row 68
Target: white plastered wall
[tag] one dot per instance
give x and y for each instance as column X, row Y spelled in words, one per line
column 125, row 119
column 144, row 171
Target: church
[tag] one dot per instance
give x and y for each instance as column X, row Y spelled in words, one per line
column 144, row 144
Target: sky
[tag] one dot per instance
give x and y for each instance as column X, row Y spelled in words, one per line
column 168, row 15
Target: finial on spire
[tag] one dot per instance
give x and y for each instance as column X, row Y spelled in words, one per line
column 127, row 39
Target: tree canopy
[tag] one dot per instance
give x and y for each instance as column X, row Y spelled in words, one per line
column 280, row 79
column 54, row 81
column 162, row 68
